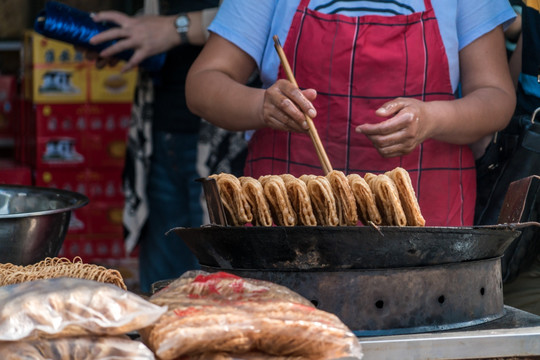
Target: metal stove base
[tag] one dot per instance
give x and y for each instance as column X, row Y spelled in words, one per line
column 516, row 335
column 377, row 302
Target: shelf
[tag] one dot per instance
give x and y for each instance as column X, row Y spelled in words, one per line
column 10, row 45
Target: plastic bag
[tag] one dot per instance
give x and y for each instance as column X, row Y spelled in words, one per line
column 69, row 307
column 225, row 313
column 76, row 348
column 245, row 356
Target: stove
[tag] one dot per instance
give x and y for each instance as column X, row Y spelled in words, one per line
column 516, row 335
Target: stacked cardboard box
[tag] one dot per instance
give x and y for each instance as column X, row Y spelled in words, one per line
column 74, row 133
column 11, row 171
column 8, row 106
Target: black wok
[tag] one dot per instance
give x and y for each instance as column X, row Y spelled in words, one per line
column 338, row 248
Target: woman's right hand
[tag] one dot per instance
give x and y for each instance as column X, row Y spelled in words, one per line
column 285, row 105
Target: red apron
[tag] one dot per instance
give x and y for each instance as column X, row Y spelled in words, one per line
column 356, row 64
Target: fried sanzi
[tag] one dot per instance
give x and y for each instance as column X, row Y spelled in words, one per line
column 387, row 199
column 276, row 195
column 336, row 199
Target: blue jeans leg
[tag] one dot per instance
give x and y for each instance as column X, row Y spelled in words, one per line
column 174, row 200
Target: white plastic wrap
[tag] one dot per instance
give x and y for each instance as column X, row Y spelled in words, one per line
column 69, row 307
column 76, row 348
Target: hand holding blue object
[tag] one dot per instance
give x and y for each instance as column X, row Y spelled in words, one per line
column 64, row 23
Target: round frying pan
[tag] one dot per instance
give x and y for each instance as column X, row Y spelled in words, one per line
column 355, row 247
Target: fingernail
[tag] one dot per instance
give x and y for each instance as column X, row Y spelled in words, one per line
column 358, row 130
column 312, row 113
column 305, row 125
column 386, row 107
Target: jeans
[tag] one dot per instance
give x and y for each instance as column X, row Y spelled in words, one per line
column 174, row 200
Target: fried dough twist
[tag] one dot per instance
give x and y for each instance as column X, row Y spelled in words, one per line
column 407, row 196
column 300, row 199
column 345, row 201
column 365, row 200
column 254, row 193
column 387, row 199
column 322, row 199
column 276, row 195
column 237, row 208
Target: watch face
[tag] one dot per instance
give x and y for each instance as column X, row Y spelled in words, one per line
column 182, row 21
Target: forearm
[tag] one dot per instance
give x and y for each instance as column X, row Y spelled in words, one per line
column 466, row 120
column 488, row 100
column 224, row 102
column 197, row 33
column 515, row 61
column 199, row 22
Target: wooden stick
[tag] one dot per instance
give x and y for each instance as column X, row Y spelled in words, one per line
column 321, row 153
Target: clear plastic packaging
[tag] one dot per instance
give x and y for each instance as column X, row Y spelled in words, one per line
column 245, row 356
column 76, row 348
column 69, row 307
column 213, row 313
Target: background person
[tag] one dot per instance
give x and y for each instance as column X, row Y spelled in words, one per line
column 161, row 160
column 521, row 262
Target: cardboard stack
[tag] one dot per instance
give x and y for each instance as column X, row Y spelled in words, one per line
column 73, row 134
column 11, row 171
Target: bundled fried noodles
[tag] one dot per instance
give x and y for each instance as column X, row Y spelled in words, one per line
column 237, row 208
column 387, row 199
column 345, row 201
column 254, row 193
column 333, row 200
column 401, row 178
column 322, row 199
column 300, row 200
column 276, row 195
column 365, row 200
column 59, row 267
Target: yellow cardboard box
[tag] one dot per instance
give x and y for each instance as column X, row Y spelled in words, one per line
column 38, row 50
column 54, row 84
column 110, row 85
column 53, row 72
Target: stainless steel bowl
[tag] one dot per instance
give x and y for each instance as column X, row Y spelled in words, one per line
column 34, row 222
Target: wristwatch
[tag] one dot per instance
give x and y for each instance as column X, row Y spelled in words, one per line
column 182, row 26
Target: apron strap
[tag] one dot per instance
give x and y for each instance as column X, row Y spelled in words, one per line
column 304, row 4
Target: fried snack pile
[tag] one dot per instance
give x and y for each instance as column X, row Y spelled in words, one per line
column 71, row 307
column 213, row 316
column 76, row 348
column 332, row 200
column 50, row 268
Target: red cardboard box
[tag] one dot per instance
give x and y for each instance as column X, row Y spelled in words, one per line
column 93, row 247
column 8, row 105
column 14, row 173
column 78, row 135
column 98, row 217
column 104, row 184
column 23, row 132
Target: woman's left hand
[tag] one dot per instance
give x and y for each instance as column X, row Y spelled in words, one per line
column 402, row 132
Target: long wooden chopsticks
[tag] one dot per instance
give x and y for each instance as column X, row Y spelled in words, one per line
column 321, row 153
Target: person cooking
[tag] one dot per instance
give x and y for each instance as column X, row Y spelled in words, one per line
column 379, row 80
